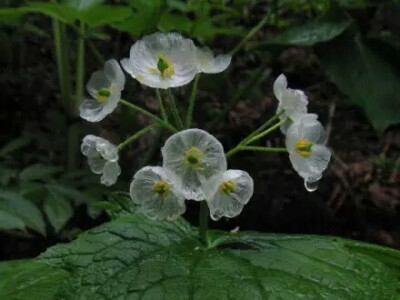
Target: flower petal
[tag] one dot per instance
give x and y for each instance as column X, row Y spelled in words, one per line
column 114, row 73
column 167, row 207
column 145, row 54
column 230, row 204
column 94, row 111
column 190, row 178
column 312, row 167
column 207, row 63
column 280, row 86
column 111, row 171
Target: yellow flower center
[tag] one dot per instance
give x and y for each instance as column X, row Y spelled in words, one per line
column 303, row 147
column 227, row 187
column 103, row 95
column 193, row 159
column 164, row 66
column 162, row 188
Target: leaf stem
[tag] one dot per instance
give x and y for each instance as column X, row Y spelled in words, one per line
column 189, row 114
column 175, row 110
column 203, row 222
column 137, row 135
column 149, row 114
column 262, row 127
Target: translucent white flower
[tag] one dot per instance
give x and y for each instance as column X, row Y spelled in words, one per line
column 102, row 158
column 305, row 142
column 158, row 198
column 105, row 87
column 207, row 63
column 293, row 103
column 191, row 157
column 228, row 193
column 162, row 60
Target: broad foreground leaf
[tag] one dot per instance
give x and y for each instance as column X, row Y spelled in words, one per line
column 21, row 280
column 136, row 258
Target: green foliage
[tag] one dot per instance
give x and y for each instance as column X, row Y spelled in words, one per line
column 23, row 210
column 330, row 25
column 29, row 280
column 134, row 257
column 366, row 76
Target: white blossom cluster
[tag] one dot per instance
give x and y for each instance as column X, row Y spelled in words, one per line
column 194, row 163
column 194, row 168
column 305, row 136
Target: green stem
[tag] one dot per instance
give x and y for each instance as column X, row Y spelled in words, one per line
column 99, row 57
column 149, row 114
column 137, row 135
column 252, row 32
column 252, row 138
column 161, row 105
column 203, row 222
column 262, row 127
column 269, row 130
column 262, row 149
column 189, row 114
column 80, row 67
column 64, row 73
column 175, row 110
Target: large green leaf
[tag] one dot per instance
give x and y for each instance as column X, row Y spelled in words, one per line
column 136, row 258
column 39, row 171
column 368, row 77
column 330, row 25
column 22, row 280
column 9, row 221
column 23, row 209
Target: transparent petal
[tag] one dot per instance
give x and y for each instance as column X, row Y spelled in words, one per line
column 88, row 146
column 229, row 205
column 145, row 53
column 114, row 73
column 111, row 171
column 97, row 81
column 306, row 126
column 280, row 85
column 107, row 150
column 94, row 111
column 207, row 63
column 312, row 167
column 151, row 203
column 126, row 65
column 212, row 161
column 96, row 164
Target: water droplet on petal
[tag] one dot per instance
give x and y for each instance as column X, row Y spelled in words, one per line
column 216, row 217
column 311, row 186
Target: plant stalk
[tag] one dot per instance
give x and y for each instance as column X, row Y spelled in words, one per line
column 175, row 110
column 189, row 114
column 161, row 105
column 137, row 135
column 80, row 68
column 269, row 130
column 149, row 114
column 203, row 222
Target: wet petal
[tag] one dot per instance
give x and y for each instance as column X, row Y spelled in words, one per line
column 176, row 51
column 114, row 73
column 191, row 157
column 280, row 86
column 111, row 171
column 167, row 205
column 207, row 63
column 312, row 167
column 234, row 190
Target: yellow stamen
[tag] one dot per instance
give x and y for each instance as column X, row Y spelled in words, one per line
column 303, row 147
column 193, row 159
column 162, row 188
column 227, row 187
column 103, row 95
column 164, row 66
